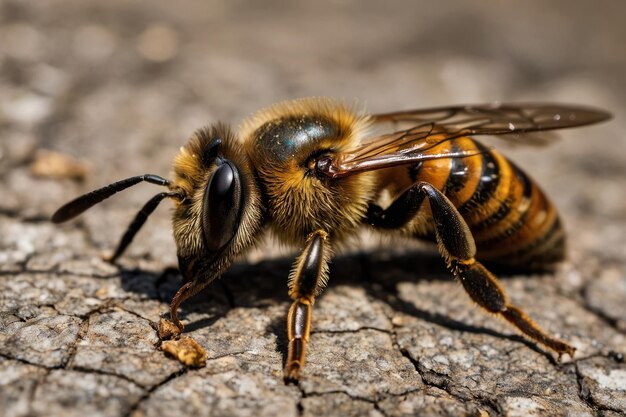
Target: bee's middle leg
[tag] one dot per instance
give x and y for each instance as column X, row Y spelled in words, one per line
column 456, row 244
column 306, row 280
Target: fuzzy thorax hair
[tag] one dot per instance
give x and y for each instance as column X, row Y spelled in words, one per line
column 281, row 142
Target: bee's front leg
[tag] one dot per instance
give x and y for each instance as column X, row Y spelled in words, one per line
column 456, row 244
column 306, row 280
column 188, row 290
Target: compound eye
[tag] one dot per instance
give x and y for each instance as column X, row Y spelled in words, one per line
column 222, row 206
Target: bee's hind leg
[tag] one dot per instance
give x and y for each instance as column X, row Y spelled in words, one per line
column 457, row 246
column 306, row 280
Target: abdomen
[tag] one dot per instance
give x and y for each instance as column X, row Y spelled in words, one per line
column 511, row 219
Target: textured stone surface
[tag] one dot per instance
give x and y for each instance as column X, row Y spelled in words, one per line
column 123, row 344
column 70, row 393
column 118, row 86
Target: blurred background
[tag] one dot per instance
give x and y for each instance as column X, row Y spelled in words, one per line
column 119, row 85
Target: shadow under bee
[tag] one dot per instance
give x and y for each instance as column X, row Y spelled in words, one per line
column 262, row 284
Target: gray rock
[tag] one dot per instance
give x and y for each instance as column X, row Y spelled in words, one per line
column 18, row 382
column 70, row 393
column 45, row 341
column 123, row 344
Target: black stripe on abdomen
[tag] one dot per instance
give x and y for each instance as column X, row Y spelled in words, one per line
column 510, row 204
column 489, row 179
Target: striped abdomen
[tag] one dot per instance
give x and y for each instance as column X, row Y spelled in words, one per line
column 511, row 219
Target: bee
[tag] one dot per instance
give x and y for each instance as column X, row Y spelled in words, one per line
column 314, row 173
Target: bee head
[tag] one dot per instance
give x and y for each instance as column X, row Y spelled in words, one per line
column 221, row 214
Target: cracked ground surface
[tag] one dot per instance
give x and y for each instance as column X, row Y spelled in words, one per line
column 118, row 86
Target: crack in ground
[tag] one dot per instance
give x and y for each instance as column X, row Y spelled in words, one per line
column 67, row 364
column 146, row 396
column 33, row 394
column 82, row 331
column 429, row 377
column 394, row 339
column 117, row 304
column 27, row 362
column 610, row 321
column 586, row 395
column 437, row 380
column 82, row 369
column 63, row 367
column 375, row 403
column 581, row 299
column 184, row 370
column 303, row 395
column 21, row 265
column 391, row 298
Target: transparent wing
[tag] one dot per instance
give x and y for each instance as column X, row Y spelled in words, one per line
column 418, row 131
